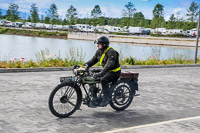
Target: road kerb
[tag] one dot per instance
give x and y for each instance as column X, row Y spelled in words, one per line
column 45, row 69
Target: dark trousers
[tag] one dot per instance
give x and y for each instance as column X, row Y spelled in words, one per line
column 106, row 79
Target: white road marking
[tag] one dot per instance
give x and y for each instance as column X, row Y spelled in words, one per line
column 153, row 124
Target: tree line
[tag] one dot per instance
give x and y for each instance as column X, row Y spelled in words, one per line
column 129, row 17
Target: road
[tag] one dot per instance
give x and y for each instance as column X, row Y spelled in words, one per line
column 169, row 101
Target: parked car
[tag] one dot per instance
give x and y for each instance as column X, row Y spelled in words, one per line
column 191, row 33
column 85, row 27
column 40, row 25
column 10, row 24
column 3, row 22
column 66, row 27
column 99, row 28
column 135, row 30
column 28, row 25
column 57, row 27
column 18, row 24
column 48, row 26
column 160, row 30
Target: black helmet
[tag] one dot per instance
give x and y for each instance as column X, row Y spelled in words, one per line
column 102, row 40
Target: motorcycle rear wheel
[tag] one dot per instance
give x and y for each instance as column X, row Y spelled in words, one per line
column 122, row 95
column 64, row 100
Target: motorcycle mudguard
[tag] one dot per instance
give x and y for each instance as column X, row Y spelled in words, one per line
column 133, row 83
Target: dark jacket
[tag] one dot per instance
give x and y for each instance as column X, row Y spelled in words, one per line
column 110, row 60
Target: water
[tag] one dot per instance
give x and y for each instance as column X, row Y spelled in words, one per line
column 12, row 46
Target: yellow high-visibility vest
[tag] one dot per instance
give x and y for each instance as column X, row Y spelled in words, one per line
column 103, row 55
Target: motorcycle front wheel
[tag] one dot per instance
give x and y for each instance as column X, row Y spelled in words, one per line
column 64, row 100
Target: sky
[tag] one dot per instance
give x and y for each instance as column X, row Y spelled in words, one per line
column 109, row 8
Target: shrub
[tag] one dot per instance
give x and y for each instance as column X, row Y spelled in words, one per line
column 2, row 30
column 130, row 61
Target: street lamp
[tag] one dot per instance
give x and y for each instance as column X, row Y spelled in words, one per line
column 196, row 52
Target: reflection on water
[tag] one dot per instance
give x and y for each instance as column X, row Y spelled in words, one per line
column 12, row 46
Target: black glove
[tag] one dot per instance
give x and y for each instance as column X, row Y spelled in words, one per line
column 96, row 75
column 76, row 66
column 86, row 66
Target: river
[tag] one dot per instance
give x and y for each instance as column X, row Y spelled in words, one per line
column 13, row 46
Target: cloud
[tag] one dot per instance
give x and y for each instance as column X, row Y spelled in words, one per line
column 178, row 10
column 182, row 12
column 107, row 11
column 4, row 5
column 167, row 18
column 24, row 5
column 112, row 11
column 62, row 13
column 84, row 12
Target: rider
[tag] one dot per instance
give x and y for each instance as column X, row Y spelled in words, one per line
column 109, row 59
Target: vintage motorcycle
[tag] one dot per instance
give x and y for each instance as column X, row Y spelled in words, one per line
column 67, row 96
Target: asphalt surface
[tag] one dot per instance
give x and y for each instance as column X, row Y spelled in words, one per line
column 169, row 101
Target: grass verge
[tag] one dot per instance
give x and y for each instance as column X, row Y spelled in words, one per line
column 34, row 33
column 45, row 60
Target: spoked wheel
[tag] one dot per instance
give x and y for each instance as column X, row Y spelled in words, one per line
column 64, row 100
column 122, row 96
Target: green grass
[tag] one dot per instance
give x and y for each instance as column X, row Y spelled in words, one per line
column 76, row 57
column 34, row 33
column 173, row 35
column 45, row 59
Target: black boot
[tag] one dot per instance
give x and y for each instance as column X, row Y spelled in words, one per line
column 93, row 103
column 105, row 101
column 106, row 98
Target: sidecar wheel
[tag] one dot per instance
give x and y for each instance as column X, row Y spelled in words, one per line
column 122, row 96
column 64, row 100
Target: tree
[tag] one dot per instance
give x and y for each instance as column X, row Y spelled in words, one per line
column 187, row 26
column 53, row 13
column 72, row 14
column 172, row 22
column 95, row 14
column 47, row 20
column 101, row 20
column 193, row 12
column 64, row 22
column 147, row 23
column 34, row 13
column 179, row 20
column 138, row 19
column 12, row 12
column 29, row 19
column 1, row 16
column 42, row 19
column 128, row 12
column 158, row 17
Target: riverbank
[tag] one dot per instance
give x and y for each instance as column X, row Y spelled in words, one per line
column 165, row 41
column 34, row 33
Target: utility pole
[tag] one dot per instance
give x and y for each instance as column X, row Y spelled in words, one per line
column 25, row 17
column 196, row 52
column 104, row 19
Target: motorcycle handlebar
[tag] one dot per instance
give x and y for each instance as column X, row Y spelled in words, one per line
column 95, row 70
